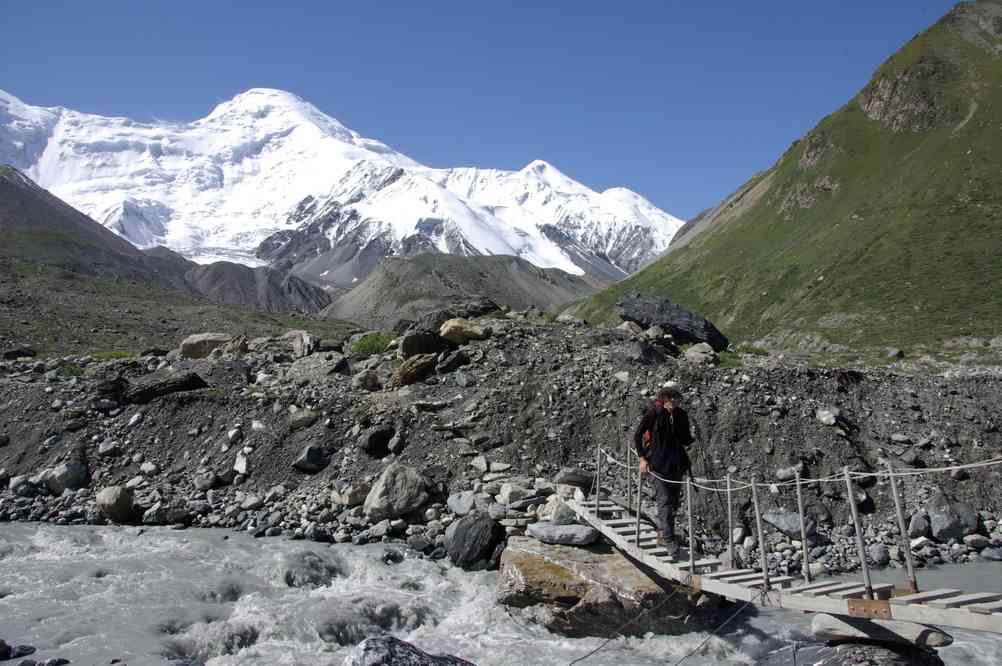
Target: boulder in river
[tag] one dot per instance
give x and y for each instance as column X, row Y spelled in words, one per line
column 390, row 651
column 398, row 491
column 588, row 591
column 827, row 627
column 116, row 503
column 684, row 325
column 471, row 540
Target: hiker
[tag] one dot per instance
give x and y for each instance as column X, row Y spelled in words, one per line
column 661, row 441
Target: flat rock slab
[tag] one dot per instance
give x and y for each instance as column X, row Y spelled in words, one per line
column 831, row 628
column 590, row 591
column 567, row 535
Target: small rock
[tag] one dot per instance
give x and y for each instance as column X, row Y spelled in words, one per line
column 312, row 459
column 566, row 535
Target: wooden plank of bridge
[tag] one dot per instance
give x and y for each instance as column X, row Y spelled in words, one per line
column 925, row 597
column 702, row 564
column 880, row 591
column 986, row 609
column 828, row 589
column 775, row 581
column 730, row 573
column 965, row 600
column 811, row 586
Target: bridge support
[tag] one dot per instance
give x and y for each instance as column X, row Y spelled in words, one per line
column 761, row 537
column 903, row 529
column 730, row 524
column 803, row 533
column 860, row 548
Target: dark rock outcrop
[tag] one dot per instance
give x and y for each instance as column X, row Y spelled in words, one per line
column 684, row 325
column 471, row 540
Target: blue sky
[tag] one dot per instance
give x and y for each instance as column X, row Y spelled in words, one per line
column 680, row 101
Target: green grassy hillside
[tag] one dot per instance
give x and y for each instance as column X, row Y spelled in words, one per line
column 882, row 226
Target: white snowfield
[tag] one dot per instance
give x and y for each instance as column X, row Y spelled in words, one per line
column 215, row 188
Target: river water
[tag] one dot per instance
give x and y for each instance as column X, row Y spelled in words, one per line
column 95, row 594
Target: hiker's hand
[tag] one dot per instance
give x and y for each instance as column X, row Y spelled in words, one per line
column 644, row 466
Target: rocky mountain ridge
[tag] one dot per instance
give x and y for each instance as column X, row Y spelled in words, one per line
column 217, row 187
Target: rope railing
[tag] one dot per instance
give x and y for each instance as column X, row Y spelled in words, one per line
column 731, row 486
column 701, row 482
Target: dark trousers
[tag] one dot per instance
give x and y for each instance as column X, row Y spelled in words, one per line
column 666, row 496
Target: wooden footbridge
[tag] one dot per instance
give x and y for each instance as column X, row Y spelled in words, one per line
column 621, row 521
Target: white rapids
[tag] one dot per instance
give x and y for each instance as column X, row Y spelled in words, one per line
column 95, row 594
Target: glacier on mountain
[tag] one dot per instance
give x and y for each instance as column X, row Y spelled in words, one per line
column 217, row 187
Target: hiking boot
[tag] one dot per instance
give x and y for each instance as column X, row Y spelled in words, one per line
column 661, row 539
column 672, row 547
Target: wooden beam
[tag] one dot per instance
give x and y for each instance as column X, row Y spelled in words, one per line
column 828, row 589
column 880, row 591
column 925, row 597
column 965, row 600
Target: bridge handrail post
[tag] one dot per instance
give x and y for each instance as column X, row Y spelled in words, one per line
column 730, row 523
column 629, row 475
column 598, row 476
column 861, row 549
column 803, row 532
column 692, row 529
column 903, row 528
column 640, row 483
column 761, row 537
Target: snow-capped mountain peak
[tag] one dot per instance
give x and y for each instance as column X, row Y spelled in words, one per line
column 218, row 186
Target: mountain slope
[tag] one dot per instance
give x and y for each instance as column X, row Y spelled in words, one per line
column 883, row 225
column 219, row 186
column 401, row 288
column 38, row 228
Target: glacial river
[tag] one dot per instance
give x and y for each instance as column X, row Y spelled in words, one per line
column 96, row 594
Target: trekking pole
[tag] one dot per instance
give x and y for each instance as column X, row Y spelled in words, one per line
column 803, row 533
column 861, row 549
column 903, row 528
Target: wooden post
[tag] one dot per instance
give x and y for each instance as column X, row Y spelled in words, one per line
column 629, row 476
column 730, row 523
column 640, row 485
column 692, row 529
column 598, row 477
column 761, row 537
column 803, row 533
column 903, row 528
column 859, row 534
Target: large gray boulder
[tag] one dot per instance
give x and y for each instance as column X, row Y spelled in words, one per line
column 471, row 540
column 390, row 651
column 116, row 504
column 413, row 343
column 462, row 503
column 788, row 522
column 573, row 476
column 311, row 459
column 837, row 628
column 950, row 520
column 201, row 345
column 684, row 325
column 398, row 491
column 563, row 535
column 66, row 476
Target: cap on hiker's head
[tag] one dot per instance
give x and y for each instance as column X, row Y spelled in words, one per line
column 670, row 393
